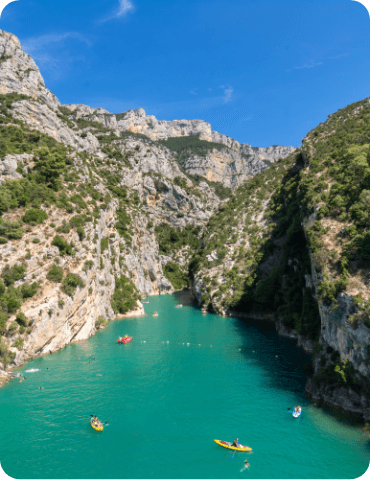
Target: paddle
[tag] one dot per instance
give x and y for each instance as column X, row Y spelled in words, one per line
column 233, row 454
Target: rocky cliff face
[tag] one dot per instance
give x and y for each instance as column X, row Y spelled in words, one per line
column 130, row 185
column 19, row 73
column 230, row 167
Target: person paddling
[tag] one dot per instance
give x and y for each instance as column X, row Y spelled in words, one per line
column 235, row 443
column 297, row 409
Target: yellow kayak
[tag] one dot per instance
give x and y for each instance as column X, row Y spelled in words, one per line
column 98, row 428
column 229, row 445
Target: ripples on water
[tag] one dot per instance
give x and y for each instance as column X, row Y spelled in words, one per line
column 166, row 402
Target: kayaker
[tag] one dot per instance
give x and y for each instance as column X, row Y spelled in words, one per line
column 297, row 409
column 235, row 443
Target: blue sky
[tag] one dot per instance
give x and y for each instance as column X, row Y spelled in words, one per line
column 263, row 72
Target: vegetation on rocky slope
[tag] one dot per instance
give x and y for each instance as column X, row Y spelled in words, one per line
column 312, row 208
column 115, row 196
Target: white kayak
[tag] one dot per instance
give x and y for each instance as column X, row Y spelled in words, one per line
column 33, row 370
column 297, row 414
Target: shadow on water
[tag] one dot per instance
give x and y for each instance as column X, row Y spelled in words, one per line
column 280, row 355
column 185, row 297
column 295, row 357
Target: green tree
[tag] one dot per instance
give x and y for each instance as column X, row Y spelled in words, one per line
column 3, row 320
column 50, row 166
column 3, row 148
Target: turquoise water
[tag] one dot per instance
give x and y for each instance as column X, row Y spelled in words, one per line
column 166, row 402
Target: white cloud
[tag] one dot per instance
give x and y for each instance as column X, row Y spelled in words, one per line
column 125, row 6
column 37, row 43
column 247, row 119
column 51, row 55
column 228, row 91
column 306, row 65
column 193, row 92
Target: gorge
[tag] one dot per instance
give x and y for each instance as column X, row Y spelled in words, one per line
column 99, row 210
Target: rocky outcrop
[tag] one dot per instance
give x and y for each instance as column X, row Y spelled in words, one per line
column 20, row 74
column 10, row 164
column 231, row 166
column 41, row 117
column 227, row 167
column 57, row 318
column 343, row 398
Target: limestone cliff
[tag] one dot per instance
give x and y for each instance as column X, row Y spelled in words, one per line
column 231, row 167
column 19, row 73
column 101, row 193
column 99, row 210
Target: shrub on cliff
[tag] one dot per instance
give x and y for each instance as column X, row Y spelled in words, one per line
column 171, row 239
column 6, row 356
column 124, row 296
column 104, row 244
column 28, row 290
column 11, row 230
column 12, row 274
column 55, row 274
column 49, row 166
column 174, row 274
column 3, row 319
column 21, row 319
column 71, row 282
column 64, row 247
column 80, row 233
column 34, row 216
column 88, row 265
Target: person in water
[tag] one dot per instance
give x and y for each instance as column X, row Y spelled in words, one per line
column 235, row 443
column 246, row 465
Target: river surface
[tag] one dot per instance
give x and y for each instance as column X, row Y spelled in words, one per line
column 184, row 380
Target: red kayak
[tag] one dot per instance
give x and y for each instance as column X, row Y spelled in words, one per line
column 124, row 339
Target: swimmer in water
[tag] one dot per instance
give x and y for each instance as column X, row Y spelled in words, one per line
column 41, row 388
column 246, row 465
